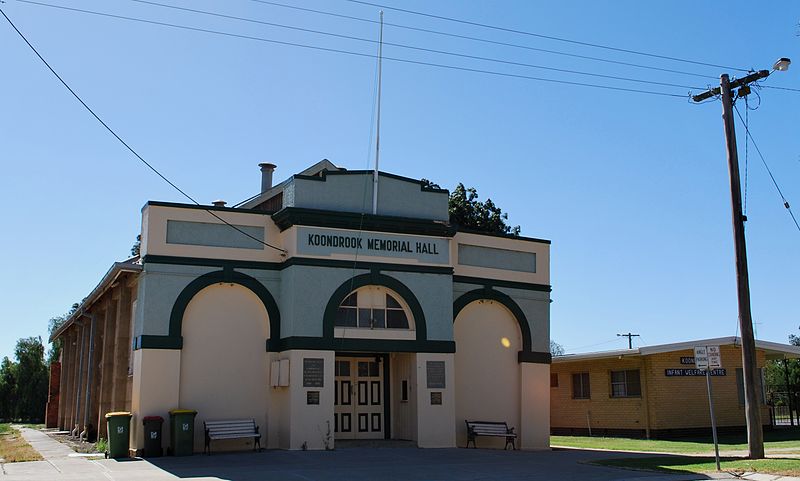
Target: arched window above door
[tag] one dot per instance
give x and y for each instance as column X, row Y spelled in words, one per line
column 374, row 307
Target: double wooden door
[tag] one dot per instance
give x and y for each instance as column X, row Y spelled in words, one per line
column 359, row 398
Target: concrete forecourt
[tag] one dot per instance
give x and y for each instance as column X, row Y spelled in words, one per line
column 354, row 464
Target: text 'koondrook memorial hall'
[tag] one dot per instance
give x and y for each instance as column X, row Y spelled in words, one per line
column 397, row 325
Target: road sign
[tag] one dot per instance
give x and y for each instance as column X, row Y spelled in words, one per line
column 701, row 357
column 714, row 357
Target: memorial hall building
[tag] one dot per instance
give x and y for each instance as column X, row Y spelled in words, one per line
column 322, row 321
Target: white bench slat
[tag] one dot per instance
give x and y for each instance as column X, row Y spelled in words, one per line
column 231, row 429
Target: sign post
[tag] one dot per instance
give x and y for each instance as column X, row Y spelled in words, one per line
column 708, row 358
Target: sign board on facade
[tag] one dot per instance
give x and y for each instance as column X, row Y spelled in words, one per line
column 687, row 359
column 693, row 372
column 436, row 398
column 313, row 372
column 324, row 242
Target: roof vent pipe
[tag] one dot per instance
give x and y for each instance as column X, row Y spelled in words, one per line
column 219, row 203
column 266, row 175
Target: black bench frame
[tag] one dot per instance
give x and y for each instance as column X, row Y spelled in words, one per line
column 474, row 430
column 234, row 435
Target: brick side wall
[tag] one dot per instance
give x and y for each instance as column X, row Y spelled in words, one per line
column 667, row 403
column 601, row 412
column 53, row 396
column 682, row 402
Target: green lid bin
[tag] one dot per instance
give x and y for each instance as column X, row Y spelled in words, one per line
column 119, row 434
column 181, row 432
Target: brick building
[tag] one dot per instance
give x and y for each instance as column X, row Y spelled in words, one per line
column 652, row 391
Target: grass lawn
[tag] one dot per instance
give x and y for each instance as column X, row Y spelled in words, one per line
column 777, row 439
column 693, row 464
column 14, row 448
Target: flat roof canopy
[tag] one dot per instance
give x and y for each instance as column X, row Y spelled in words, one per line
column 773, row 350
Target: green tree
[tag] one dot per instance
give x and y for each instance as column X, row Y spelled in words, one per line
column 556, row 349
column 136, row 248
column 470, row 213
column 32, row 377
column 52, row 326
column 8, row 389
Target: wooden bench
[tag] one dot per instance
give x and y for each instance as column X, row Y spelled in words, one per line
column 488, row 428
column 231, row 429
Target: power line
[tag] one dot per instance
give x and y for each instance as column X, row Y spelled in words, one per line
column 358, row 54
column 411, row 47
column 774, row 182
column 110, row 130
column 483, row 40
column 778, row 88
column 548, row 37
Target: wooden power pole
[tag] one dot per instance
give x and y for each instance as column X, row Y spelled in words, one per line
column 755, row 435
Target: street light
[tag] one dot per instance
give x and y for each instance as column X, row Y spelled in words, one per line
column 782, row 64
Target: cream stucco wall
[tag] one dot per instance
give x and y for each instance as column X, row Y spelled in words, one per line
column 541, row 249
column 309, row 425
column 154, row 234
column 224, row 369
column 486, row 368
column 154, row 392
column 435, row 422
column 534, row 430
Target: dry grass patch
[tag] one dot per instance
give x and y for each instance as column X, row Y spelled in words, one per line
column 14, row 448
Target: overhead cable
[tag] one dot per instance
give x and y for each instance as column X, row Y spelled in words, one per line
column 769, row 171
column 548, row 37
column 127, row 146
column 411, row 47
column 483, row 40
column 357, row 54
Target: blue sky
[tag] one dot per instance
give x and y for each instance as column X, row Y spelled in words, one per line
column 631, row 188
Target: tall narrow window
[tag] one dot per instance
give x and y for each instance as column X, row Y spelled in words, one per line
column 580, row 386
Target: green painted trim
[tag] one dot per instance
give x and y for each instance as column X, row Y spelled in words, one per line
column 157, row 342
column 323, row 174
column 227, row 276
column 505, row 236
column 291, row 216
column 359, row 345
column 488, row 293
column 156, row 203
column 382, row 266
column 374, row 278
column 534, row 357
column 294, row 261
column 202, row 261
column 491, row 283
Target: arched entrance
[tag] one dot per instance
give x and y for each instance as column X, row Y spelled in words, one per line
column 224, row 370
column 487, row 371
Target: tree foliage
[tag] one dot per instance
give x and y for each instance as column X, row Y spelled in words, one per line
column 23, row 384
column 52, row 326
column 777, row 372
column 136, row 248
column 556, row 349
column 470, row 213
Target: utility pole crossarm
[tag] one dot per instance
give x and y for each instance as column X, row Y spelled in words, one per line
column 733, row 85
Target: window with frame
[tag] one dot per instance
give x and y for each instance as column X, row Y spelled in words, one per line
column 373, row 307
column 625, row 383
column 580, row 386
column 553, row 379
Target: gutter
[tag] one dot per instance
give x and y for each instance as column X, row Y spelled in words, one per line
column 108, row 279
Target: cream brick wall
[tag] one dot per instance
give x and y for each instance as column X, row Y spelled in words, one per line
column 601, row 411
column 677, row 402
column 682, row 402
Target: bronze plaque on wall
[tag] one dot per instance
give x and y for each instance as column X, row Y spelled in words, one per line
column 313, row 372
column 436, row 375
column 436, row 398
